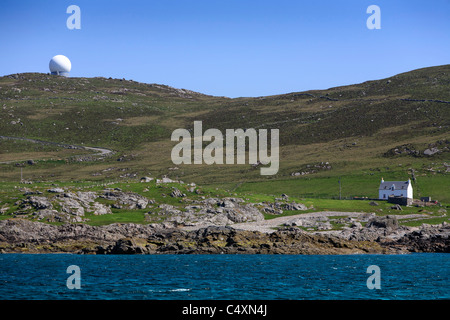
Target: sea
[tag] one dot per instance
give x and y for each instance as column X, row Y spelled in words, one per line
column 421, row 276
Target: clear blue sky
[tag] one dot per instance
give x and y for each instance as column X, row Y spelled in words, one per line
column 227, row 47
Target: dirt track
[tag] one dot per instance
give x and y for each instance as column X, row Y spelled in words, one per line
column 98, row 151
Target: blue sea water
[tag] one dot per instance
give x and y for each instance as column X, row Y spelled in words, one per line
column 224, row 277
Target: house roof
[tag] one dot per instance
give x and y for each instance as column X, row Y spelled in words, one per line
column 398, row 185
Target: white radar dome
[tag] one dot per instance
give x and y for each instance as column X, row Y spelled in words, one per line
column 60, row 65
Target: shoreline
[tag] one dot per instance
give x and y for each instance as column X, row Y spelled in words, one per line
column 381, row 236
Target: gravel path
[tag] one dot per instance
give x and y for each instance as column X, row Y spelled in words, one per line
column 268, row 226
column 98, row 151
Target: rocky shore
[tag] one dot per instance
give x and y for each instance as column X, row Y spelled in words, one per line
column 381, row 235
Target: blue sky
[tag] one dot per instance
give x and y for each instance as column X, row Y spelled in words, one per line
column 227, row 47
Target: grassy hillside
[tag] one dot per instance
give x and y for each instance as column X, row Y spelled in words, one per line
column 360, row 133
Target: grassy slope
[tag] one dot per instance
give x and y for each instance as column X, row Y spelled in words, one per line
column 350, row 127
column 11, row 193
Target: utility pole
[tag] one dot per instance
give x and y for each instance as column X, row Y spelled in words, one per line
column 21, row 176
column 340, row 198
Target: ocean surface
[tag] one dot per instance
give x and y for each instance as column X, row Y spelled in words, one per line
column 224, row 277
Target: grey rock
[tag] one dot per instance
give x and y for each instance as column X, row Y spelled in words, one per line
column 177, row 193
column 86, row 197
column 20, row 230
column 71, row 206
column 294, row 206
column 227, row 204
column 55, row 216
column 356, row 224
column 39, row 202
column 100, row 209
column 388, row 222
column 126, row 246
column 244, row 213
column 167, row 209
column 3, row 209
column 366, row 217
column 431, row 151
column 127, row 200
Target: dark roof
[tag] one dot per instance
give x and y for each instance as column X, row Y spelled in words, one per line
column 398, row 185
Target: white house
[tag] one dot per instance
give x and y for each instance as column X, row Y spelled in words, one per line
column 395, row 188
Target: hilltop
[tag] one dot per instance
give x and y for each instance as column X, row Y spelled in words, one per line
column 391, row 127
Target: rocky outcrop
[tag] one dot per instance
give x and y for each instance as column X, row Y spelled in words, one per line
column 127, row 200
column 387, row 222
column 215, row 240
column 425, row 239
column 436, row 148
column 278, row 207
column 19, row 235
column 59, row 205
column 176, row 193
column 36, row 202
column 21, row 230
column 212, row 225
column 376, row 229
column 208, row 212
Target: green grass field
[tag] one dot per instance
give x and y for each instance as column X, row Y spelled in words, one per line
column 12, row 193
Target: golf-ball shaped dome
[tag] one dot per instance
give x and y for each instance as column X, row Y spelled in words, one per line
column 60, row 64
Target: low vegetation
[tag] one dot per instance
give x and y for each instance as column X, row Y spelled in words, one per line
column 395, row 128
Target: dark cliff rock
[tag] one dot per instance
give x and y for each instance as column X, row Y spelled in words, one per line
column 426, row 239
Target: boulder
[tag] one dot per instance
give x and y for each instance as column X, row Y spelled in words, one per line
column 294, row 206
column 227, row 204
column 86, row 197
column 129, row 200
column 100, row 209
column 356, row 225
column 431, row 151
column 71, row 206
column 126, row 246
column 387, row 222
column 177, row 193
column 55, row 216
column 244, row 213
column 167, row 209
column 38, row 202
